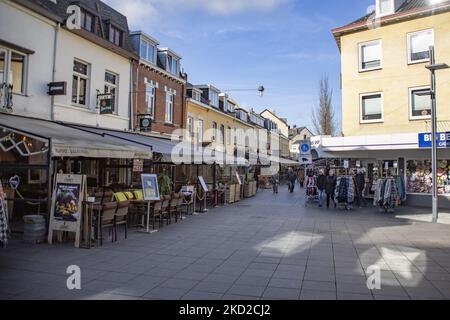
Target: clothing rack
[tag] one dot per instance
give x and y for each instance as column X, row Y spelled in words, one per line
column 386, row 194
column 344, row 194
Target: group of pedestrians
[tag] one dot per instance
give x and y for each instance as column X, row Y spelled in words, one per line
column 325, row 184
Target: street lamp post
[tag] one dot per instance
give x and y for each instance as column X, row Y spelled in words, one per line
column 433, row 67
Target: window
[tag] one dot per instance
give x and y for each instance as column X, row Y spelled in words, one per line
column 419, row 45
column 13, row 70
column 372, row 107
column 385, row 7
column 196, row 95
column 235, row 137
column 214, row 98
column 87, row 21
column 150, row 99
column 111, row 86
column 228, row 135
column 230, row 107
column 222, row 134
column 148, row 51
column 214, row 132
column 420, row 105
column 370, row 55
column 169, row 107
column 115, row 36
column 200, row 131
column 190, row 127
column 80, row 83
column 172, row 65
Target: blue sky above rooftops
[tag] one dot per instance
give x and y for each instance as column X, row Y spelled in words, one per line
column 285, row 45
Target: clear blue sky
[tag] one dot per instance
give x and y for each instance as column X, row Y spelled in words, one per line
column 285, row 45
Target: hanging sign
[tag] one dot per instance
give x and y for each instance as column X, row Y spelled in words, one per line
column 346, row 164
column 358, row 164
column 145, row 123
column 67, row 205
column 203, row 184
column 150, row 187
column 138, row 165
column 57, row 88
column 105, row 102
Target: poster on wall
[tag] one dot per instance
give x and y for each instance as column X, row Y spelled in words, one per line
column 203, row 184
column 150, row 187
column 67, row 205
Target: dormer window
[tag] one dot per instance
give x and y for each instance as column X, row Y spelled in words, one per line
column 87, row 21
column 196, row 95
column 172, row 65
column 231, row 107
column 115, row 35
column 214, row 98
column 148, row 51
column 385, row 7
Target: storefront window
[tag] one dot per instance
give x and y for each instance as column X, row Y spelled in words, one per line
column 419, row 176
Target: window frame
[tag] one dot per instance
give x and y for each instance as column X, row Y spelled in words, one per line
column 113, row 30
column 148, row 45
column 214, row 131
column 361, row 97
column 360, row 55
column 153, row 95
column 378, row 9
column 7, row 69
column 216, row 101
column 228, row 135
column 408, row 36
column 190, row 127
column 222, row 134
column 410, row 92
column 86, row 77
column 170, row 99
column 84, row 15
column 115, row 86
column 200, row 133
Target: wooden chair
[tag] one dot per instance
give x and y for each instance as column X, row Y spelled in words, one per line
column 173, row 207
column 121, row 217
column 106, row 220
column 180, row 204
column 165, row 209
column 107, row 196
column 156, row 212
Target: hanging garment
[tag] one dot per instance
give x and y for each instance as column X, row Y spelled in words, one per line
column 351, row 190
column 401, row 188
column 4, row 227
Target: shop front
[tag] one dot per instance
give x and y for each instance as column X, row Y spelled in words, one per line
column 391, row 155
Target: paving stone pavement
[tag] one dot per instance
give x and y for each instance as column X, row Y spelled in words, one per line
column 267, row 247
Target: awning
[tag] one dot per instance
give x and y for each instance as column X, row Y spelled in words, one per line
column 72, row 142
column 176, row 152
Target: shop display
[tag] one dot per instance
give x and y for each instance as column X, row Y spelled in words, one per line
column 419, row 176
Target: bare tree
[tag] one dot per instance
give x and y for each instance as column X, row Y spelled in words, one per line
column 323, row 117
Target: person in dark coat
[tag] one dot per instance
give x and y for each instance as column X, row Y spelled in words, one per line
column 321, row 181
column 292, row 178
column 330, row 187
column 360, row 185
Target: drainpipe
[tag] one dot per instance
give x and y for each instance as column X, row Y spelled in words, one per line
column 131, row 100
column 55, row 49
column 136, row 90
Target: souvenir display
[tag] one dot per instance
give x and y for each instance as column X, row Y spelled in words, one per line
column 419, row 176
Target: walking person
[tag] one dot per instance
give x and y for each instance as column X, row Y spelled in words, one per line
column 361, row 185
column 330, row 187
column 275, row 180
column 321, row 184
column 292, row 178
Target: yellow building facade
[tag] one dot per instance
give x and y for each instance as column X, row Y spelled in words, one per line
column 212, row 127
column 383, row 70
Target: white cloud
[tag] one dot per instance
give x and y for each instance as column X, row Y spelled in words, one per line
column 138, row 12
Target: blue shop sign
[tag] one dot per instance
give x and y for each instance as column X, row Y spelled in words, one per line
column 443, row 140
